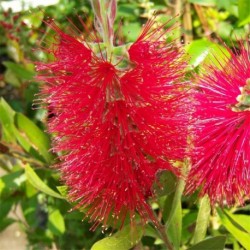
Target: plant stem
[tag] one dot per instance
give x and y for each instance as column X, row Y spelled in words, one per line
column 107, row 34
column 187, row 23
column 162, row 231
column 203, row 19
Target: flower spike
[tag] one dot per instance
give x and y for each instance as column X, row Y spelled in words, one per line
column 221, row 159
column 115, row 128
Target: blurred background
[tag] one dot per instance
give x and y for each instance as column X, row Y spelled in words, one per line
column 33, row 211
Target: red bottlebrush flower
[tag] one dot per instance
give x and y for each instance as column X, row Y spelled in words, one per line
column 115, row 128
column 221, row 161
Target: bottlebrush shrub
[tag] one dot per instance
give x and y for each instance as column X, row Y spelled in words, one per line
column 221, row 160
column 114, row 128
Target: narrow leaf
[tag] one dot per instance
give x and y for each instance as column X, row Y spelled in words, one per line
column 241, row 219
column 39, row 140
column 19, row 70
column 7, row 121
column 36, row 181
column 175, row 227
column 202, row 220
column 231, row 226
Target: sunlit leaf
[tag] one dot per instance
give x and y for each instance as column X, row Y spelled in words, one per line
column 33, row 19
column 131, row 31
column 244, row 12
column 242, row 220
column 7, row 121
column 11, row 182
column 14, row 50
column 202, row 50
column 235, row 229
column 56, row 222
column 122, row 240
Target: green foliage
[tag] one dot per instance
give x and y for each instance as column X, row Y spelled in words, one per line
column 214, row 243
column 202, row 52
column 37, row 183
column 34, row 136
column 27, row 182
column 202, row 220
column 122, row 240
column 234, row 226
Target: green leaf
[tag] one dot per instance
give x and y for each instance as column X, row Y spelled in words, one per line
column 19, row 70
column 5, row 208
column 242, row 220
column 36, row 137
column 230, row 6
column 244, row 12
column 36, row 181
column 172, row 214
column 34, row 141
column 7, row 121
column 32, row 211
column 63, row 190
column 11, row 78
column 11, row 182
column 30, row 190
column 214, row 243
column 56, row 222
column 128, row 11
column 239, row 33
column 188, row 225
column 224, row 29
column 125, row 239
column 203, row 2
column 131, row 31
column 15, row 51
column 175, row 226
column 5, row 223
column 26, row 145
column 202, row 50
column 33, row 19
column 202, row 220
column 165, row 183
column 235, row 229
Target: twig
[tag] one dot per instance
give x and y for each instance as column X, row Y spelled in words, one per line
column 187, row 23
column 162, row 231
column 203, row 20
